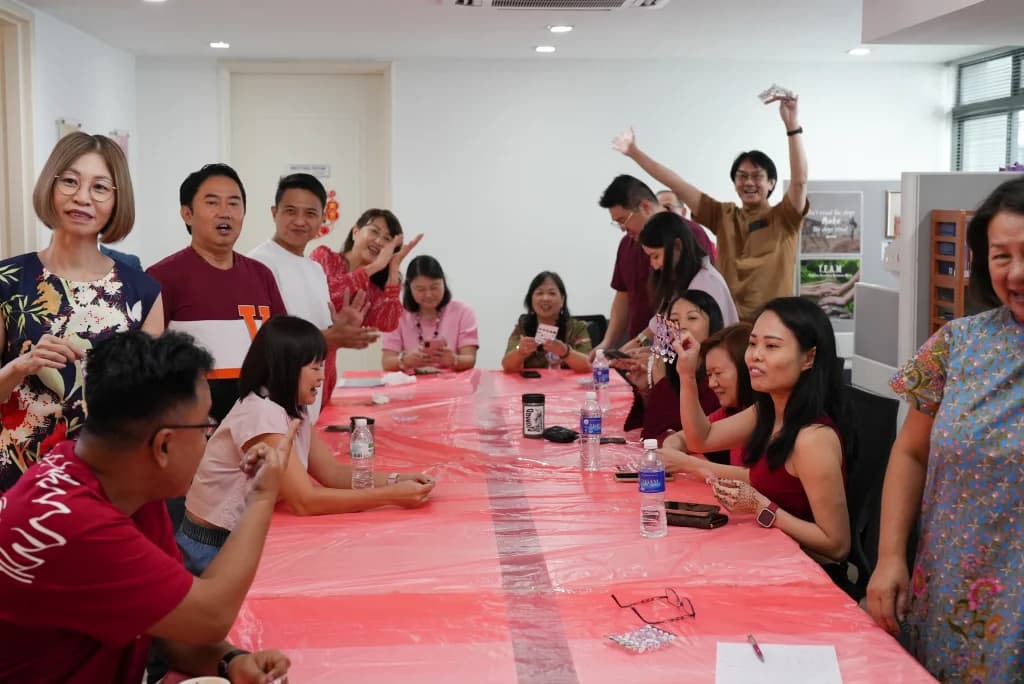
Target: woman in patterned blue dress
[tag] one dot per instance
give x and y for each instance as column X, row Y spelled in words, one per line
column 959, row 461
column 56, row 303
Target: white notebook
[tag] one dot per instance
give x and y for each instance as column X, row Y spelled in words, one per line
column 783, row 664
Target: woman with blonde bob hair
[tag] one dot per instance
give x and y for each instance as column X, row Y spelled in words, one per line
column 55, row 304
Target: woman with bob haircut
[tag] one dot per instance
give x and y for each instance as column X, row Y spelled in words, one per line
column 55, row 304
column 435, row 331
column 280, row 378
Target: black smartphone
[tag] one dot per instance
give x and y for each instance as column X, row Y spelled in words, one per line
column 613, row 440
column 531, row 374
column 686, row 506
column 337, row 428
column 615, row 354
column 703, row 521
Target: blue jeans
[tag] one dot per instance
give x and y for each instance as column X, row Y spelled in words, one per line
column 197, row 554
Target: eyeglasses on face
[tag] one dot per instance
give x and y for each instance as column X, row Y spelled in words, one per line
column 621, row 223
column 670, row 597
column 99, row 190
column 209, row 427
column 376, row 234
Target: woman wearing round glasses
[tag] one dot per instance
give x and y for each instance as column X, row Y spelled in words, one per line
column 55, row 304
column 370, row 261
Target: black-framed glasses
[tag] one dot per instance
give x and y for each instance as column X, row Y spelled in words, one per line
column 683, row 604
column 99, row 190
column 209, row 427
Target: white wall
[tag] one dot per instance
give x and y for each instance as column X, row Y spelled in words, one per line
column 179, row 131
column 502, row 163
column 76, row 76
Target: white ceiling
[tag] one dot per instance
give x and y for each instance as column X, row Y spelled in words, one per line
column 779, row 30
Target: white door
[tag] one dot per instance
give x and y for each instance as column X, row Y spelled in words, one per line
column 339, row 122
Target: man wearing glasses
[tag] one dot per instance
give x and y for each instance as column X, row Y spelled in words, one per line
column 756, row 241
column 630, row 202
column 90, row 576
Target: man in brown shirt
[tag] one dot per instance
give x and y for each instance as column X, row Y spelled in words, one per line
column 757, row 242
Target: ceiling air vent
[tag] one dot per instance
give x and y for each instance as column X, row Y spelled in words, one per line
column 561, row 5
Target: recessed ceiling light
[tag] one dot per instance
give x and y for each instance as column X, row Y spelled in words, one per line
column 558, row 28
column 154, row 1
column 545, row 48
column 220, row 45
column 858, row 51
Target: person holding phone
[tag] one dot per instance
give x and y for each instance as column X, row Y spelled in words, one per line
column 370, row 261
column 547, row 318
column 280, row 378
column 435, row 331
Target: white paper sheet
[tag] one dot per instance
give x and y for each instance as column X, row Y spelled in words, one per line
column 783, row 664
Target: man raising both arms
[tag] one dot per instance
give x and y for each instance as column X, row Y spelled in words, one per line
column 756, row 241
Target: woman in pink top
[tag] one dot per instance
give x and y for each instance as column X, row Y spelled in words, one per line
column 281, row 375
column 435, row 331
column 370, row 261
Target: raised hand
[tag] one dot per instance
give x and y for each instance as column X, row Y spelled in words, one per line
column 405, row 248
column 353, row 309
column 625, row 142
column 687, row 350
column 788, row 110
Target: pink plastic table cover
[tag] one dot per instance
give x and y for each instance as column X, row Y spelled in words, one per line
column 507, row 574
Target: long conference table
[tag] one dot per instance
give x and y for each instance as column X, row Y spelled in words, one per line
column 506, row 576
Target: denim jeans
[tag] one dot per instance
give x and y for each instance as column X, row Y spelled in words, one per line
column 197, row 554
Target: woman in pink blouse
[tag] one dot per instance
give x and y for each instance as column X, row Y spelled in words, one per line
column 370, row 261
column 435, row 331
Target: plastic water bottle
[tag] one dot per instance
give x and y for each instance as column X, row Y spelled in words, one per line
column 361, row 449
column 601, row 380
column 653, row 523
column 590, row 433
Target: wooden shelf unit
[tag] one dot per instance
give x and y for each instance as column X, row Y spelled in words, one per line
column 950, row 266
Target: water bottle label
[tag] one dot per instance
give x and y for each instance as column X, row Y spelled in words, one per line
column 361, row 451
column 600, row 376
column 590, row 425
column 652, row 481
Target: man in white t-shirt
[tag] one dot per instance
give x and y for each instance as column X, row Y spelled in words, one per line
column 298, row 213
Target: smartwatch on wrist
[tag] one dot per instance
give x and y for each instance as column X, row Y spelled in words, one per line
column 222, row 666
column 766, row 516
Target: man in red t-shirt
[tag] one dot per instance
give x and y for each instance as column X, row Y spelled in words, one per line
column 90, row 576
column 630, row 202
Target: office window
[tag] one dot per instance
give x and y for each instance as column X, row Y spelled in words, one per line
column 988, row 118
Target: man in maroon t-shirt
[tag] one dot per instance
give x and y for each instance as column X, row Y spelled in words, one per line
column 90, row 576
column 630, row 202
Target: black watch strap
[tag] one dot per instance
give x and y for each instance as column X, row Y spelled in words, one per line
column 222, row 666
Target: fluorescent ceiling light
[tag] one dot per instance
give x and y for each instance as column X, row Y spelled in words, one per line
column 220, row 45
column 858, row 51
column 560, row 28
column 545, row 48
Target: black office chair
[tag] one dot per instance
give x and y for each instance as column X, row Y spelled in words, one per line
column 597, row 326
column 877, row 423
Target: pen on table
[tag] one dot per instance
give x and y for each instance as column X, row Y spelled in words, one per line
column 757, row 649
